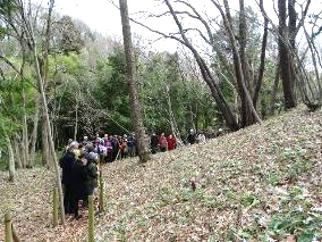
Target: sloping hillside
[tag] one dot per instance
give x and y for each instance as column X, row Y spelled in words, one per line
column 262, row 183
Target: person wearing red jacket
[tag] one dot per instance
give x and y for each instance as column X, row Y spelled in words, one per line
column 172, row 142
column 163, row 143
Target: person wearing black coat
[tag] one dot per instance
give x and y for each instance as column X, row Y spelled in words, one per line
column 154, row 143
column 191, row 138
column 66, row 163
column 78, row 184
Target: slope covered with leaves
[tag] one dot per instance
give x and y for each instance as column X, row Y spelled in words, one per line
column 262, row 183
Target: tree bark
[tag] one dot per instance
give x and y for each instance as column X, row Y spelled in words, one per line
column 284, row 57
column 249, row 114
column 247, row 117
column 12, row 169
column 131, row 84
column 46, row 157
column 275, row 88
column 33, row 138
column 259, row 80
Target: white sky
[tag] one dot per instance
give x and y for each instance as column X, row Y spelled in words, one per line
column 102, row 16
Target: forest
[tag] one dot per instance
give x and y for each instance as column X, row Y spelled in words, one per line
column 236, row 67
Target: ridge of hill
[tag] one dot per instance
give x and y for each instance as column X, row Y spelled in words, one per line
column 262, row 183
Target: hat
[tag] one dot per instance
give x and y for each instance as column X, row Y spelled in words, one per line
column 91, row 156
column 89, row 146
column 73, row 145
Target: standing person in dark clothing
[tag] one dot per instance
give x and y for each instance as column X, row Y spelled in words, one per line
column 91, row 177
column 115, row 147
column 131, row 145
column 66, row 163
column 78, row 184
column 154, row 143
column 191, row 138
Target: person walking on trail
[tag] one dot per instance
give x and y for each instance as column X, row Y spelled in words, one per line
column 78, row 183
column 66, row 163
column 191, row 138
column 163, row 143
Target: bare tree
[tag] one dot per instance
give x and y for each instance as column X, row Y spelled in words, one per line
column 284, row 57
column 131, row 84
column 248, row 110
column 30, row 41
column 261, row 70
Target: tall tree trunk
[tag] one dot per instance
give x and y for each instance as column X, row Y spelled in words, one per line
column 248, row 109
column 284, row 57
column 275, row 88
column 46, row 157
column 131, row 84
column 292, row 30
column 33, row 138
column 76, row 118
column 15, row 143
column 172, row 119
column 50, row 138
column 258, row 83
column 247, row 117
column 207, row 76
column 12, row 169
column 41, row 82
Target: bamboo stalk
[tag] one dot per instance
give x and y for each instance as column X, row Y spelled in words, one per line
column 90, row 219
column 8, row 228
column 14, row 234
column 101, row 195
column 55, row 207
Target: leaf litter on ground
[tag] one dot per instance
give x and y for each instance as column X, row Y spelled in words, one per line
column 262, row 183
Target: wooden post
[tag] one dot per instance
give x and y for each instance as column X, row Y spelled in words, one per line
column 14, row 234
column 8, row 228
column 101, row 196
column 90, row 219
column 101, row 185
column 55, row 206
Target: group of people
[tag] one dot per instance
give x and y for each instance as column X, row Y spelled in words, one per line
column 80, row 168
column 167, row 143
column 163, row 143
column 112, row 147
column 79, row 175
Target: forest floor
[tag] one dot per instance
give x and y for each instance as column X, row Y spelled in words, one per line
column 262, row 183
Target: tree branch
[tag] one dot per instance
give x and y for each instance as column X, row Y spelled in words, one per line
column 9, row 63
